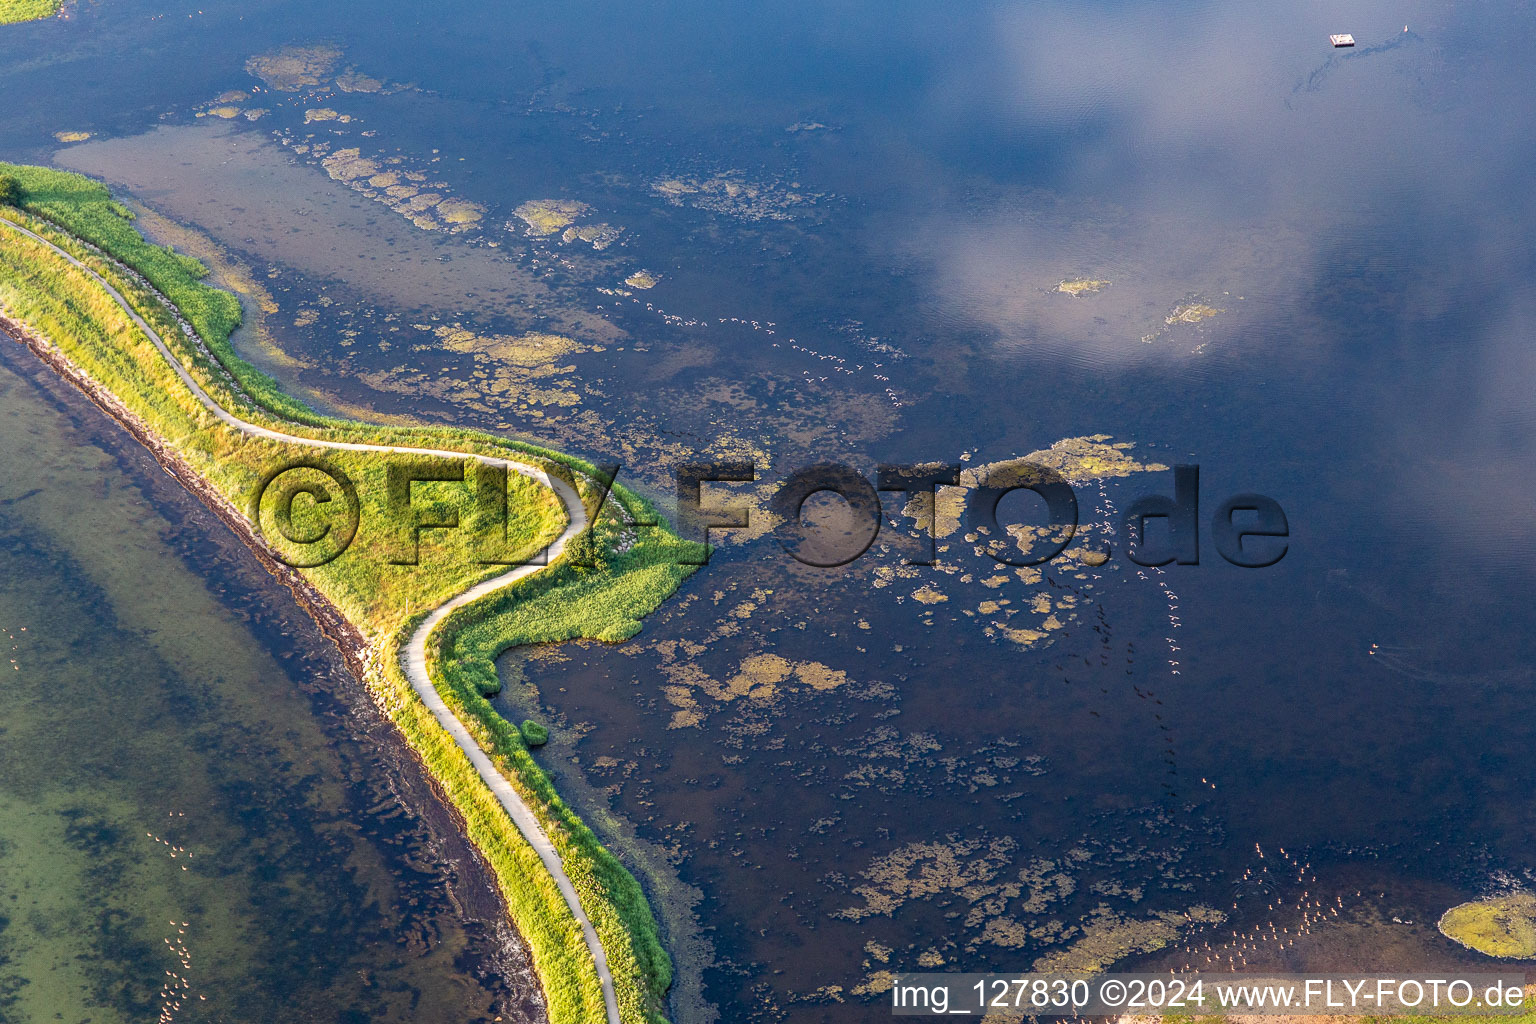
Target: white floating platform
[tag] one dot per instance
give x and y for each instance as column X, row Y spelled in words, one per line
column 1343, row 39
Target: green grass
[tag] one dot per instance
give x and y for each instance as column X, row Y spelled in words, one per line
column 13, row 11
column 563, row 604
column 628, row 572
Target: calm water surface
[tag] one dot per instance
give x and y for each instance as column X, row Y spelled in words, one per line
column 200, row 815
column 1318, row 279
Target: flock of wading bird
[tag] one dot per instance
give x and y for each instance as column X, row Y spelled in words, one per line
column 1270, row 937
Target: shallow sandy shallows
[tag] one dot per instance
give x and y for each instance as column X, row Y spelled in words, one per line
column 250, row 194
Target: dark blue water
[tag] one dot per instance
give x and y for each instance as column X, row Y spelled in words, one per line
column 907, row 185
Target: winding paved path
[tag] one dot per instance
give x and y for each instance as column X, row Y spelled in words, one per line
column 414, row 661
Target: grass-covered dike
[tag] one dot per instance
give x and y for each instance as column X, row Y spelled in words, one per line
column 625, row 572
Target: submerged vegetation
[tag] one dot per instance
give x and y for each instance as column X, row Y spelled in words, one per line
column 1190, row 313
column 294, row 67
column 734, row 195
column 546, row 216
column 1044, row 610
column 1108, row 937
column 1082, row 286
column 628, row 569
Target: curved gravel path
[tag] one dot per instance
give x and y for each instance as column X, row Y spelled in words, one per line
column 414, row 661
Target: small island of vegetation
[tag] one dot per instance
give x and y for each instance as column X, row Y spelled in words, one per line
column 13, row 11
column 1502, row 926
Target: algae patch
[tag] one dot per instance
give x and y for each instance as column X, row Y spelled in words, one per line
column 1109, row 937
column 642, row 279
column 352, row 81
column 1081, row 286
column 348, row 165
column 527, row 350
column 1080, row 460
column 1190, row 313
column 925, row 869
column 1503, row 927
column 546, row 216
column 294, row 67
column 527, row 373
column 460, row 212
column 996, row 899
column 387, row 179
column 733, row 194
column 598, row 236
column 1028, row 615
column 71, row 136
column 760, row 679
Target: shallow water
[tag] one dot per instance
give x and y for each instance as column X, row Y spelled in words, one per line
column 884, row 200
column 199, row 813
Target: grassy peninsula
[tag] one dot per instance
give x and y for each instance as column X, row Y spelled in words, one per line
column 633, row 570
column 12, row 11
